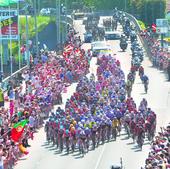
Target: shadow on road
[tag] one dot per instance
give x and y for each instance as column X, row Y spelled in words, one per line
column 52, row 149
column 134, row 148
column 65, row 154
column 57, row 152
column 130, row 143
column 45, row 144
column 78, row 157
column 146, row 143
column 139, row 150
column 143, row 93
column 22, row 159
column 125, row 138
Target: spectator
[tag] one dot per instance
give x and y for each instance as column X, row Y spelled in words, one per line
column 44, row 81
column 1, row 98
column 160, row 151
column 168, row 70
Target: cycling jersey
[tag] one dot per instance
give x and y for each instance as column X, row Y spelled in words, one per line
column 145, row 79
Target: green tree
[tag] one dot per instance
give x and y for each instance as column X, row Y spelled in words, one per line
column 152, row 10
column 145, row 10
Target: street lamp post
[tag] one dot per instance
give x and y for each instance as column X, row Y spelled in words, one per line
column 65, row 19
column 64, row 23
column 145, row 5
column 27, row 38
column 125, row 5
column 58, row 21
column 36, row 28
column 19, row 39
column 39, row 6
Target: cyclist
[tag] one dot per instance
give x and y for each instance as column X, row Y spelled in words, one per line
column 145, row 81
column 141, row 71
column 129, row 88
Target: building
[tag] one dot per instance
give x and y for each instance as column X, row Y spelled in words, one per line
column 168, row 6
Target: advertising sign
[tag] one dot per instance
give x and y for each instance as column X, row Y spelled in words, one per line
column 9, row 24
column 162, row 26
column 162, row 22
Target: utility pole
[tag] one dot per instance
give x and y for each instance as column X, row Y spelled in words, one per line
column 19, row 39
column 39, row 6
column 27, row 38
column 145, row 3
column 58, row 21
column 162, row 40
column 65, row 19
column 36, row 28
column 1, row 53
column 125, row 6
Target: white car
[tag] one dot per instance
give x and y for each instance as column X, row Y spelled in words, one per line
column 45, row 11
column 98, row 44
column 100, row 48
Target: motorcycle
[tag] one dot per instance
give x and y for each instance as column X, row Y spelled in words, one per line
column 123, row 45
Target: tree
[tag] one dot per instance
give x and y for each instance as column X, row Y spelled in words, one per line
column 152, row 10
column 145, row 10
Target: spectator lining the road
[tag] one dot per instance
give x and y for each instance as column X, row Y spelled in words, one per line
column 159, row 156
column 159, row 57
column 43, row 82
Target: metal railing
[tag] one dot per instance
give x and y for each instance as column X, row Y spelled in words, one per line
column 13, row 77
column 134, row 20
column 68, row 19
column 138, row 28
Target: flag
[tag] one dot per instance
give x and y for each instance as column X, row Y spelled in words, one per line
column 4, row 2
column 67, row 50
column 153, row 27
column 77, row 52
column 17, row 130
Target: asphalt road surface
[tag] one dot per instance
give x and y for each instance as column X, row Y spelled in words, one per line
column 44, row 156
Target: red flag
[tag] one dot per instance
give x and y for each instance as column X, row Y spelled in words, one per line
column 154, row 27
column 68, row 49
column 17, row 130
column 77, row 52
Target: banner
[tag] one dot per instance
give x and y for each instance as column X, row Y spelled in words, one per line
column 9, row 24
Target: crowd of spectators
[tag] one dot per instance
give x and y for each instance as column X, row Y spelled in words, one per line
column 39, row 90
column 159, row 56
column 159, row 156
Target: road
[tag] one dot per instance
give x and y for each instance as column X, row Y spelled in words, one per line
column 44, row 156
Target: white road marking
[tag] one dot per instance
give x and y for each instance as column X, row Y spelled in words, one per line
column 100, row 157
